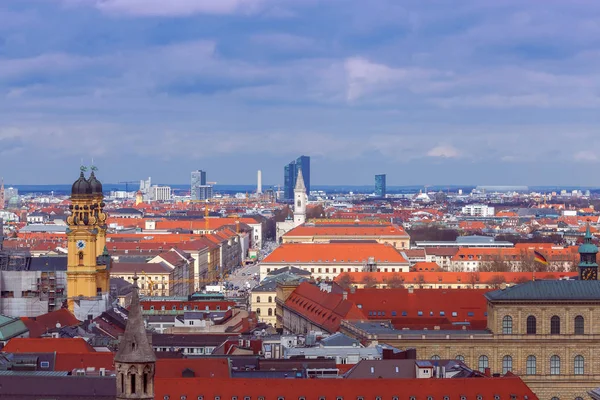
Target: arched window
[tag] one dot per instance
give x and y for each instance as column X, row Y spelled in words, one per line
column 435, row 357
column 270, row 312
column 507, row 325
column 258, row 311
column 531, row 365
column 531, row 325
column 555, row 365
column 299, row 203
column 506, row 364
column 579, row 365
column 555, row 325
column 270, row 299
column 258, row 299
column 579, row 325
column 484, row 363
column 80, row 256
column 555, row 398
column 460, row 358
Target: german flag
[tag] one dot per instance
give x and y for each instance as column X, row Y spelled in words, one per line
column 539, row 257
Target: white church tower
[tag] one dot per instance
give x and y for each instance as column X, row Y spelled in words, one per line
column 300, row 199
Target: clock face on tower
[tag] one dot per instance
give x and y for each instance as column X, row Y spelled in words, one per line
column 589, row 274
column 80, row 245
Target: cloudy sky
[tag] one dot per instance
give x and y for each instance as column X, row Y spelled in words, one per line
column 429, row 92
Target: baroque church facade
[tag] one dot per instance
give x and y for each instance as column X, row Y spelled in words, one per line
column 88, row 264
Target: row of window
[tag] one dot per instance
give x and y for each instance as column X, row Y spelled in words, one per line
column 270, row 299
column 419, row 313
column 530, row 366
column 342, row 270
column 478, row 397
column 269, row 311
column 531, row 325
column 187, row 308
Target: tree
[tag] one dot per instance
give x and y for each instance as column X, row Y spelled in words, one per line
column 369, row 282
column 394, row 282
column 315, row 212
column 433, row 233
column 420, row 280
column 474, row 278
column 345, row 281
column 496, row 281
column 495, row 264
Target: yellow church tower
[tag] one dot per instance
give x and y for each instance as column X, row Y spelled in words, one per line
column 88, row 265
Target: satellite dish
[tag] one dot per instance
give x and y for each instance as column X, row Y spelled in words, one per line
column 58, row 325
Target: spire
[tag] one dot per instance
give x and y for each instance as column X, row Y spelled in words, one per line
column 300, row 182
column 134, row 346
column 588, row 234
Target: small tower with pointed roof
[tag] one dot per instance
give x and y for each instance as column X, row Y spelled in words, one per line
column 588, row 265
column 135, row 360
column 299, row 200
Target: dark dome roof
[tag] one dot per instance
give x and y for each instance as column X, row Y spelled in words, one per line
column 81, row 186
column 95, row 184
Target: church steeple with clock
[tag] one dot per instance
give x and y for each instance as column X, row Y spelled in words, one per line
column 88, row 264
column 588, row 265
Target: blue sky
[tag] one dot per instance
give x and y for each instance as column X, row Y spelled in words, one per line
column 436, row 92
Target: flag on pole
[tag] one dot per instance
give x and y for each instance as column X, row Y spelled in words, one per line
column 539, row 257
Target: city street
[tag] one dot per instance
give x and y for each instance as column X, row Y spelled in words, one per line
column 242, row 275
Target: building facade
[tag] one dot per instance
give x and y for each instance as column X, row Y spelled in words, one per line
column 88, row 263
column 380, row 185
column 198, row 179
column 290, row 174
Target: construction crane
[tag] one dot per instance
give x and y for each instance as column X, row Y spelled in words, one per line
column 127, row 183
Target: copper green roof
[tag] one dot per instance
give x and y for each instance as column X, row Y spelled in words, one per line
column 552, row 290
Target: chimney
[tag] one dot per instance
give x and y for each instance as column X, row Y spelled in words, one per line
column 488, row 373
column 410, row 290
column 345, row 295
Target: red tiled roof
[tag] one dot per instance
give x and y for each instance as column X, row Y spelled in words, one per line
column 426, row 266
column 43, row 323
column 348, row 230
column 388, row 303
column 202, row 367
column 421, row 389
column 444, row 278
column 322, row 308
column 48, row 345
column 179, row 305
column 335, row 253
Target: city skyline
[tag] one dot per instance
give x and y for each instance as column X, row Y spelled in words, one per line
column 479, row 92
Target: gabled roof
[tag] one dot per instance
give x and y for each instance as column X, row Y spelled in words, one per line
column 562, row 290
column 130, row 268
column 71, row 361
column 345, row 230
column 322, row 308
column 504, row 387
column 50, row 321
column 335, row 253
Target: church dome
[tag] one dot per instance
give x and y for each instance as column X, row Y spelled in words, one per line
column 81, row 186
column 95, row 184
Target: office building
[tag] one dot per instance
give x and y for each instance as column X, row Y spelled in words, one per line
column 161, row 193
column 290, row 174
column 198, row 181
column 380, row 188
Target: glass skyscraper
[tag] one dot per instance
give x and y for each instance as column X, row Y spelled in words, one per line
column 380, row 189
column 290, row 173
column 198, row 180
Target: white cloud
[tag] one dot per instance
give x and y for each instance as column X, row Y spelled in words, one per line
column 444, row 151
column 586, row 156
column 171, row 8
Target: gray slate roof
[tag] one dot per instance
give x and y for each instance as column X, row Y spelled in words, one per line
column 554, row 290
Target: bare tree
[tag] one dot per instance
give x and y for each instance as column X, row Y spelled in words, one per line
column 369, row 282
column 420, row 280
column 474, row 278
column 394, row 282
column 496, row 281
column 345, row 281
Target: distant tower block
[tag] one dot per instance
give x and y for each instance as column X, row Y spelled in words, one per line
column 259, row 182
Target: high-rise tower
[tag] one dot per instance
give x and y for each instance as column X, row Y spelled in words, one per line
column 88, row 262
column 259, row 182
column 290, row 175
column 380, row 186
column 135, row 360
